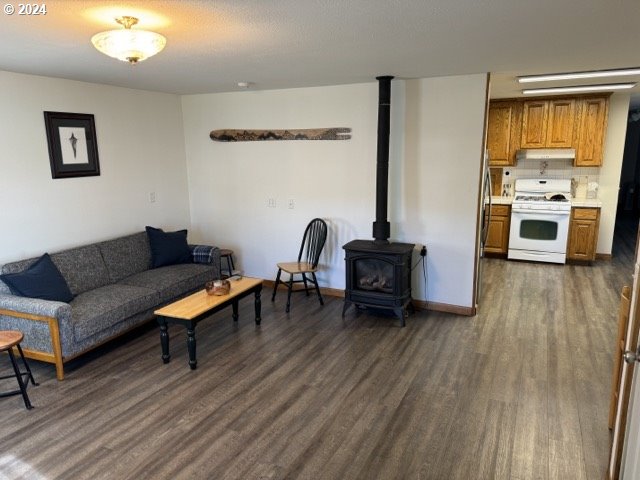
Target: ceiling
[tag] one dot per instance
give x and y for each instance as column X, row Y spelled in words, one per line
column 213, row 45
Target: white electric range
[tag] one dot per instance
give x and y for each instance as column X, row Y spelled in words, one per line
column 540, row 215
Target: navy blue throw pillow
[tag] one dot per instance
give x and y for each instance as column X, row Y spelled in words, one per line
column 168, row 248
column 41, row 280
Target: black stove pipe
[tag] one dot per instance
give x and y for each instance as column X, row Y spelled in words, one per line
column 381, row 227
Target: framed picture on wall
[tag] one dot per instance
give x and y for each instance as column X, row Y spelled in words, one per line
column 73, row 148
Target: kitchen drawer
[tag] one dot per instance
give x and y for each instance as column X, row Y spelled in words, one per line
column 585, row 213
column 500, row 210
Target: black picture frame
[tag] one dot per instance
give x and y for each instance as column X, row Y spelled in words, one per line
column 73, row 148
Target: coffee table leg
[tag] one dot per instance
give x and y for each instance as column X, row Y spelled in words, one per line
column 164, row 340
column 258, row 305
column 191, row 346
column 234, row 305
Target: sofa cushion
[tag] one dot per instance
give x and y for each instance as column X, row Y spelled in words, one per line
column 173, row 280
column 42, row 279
column 126, row 256
column 83, row 268
column 168, row 248
column 103, row 307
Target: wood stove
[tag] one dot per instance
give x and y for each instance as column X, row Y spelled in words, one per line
column 378, row 273
column 378, row 276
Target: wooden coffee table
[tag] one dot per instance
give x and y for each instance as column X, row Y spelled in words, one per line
column 190, row 310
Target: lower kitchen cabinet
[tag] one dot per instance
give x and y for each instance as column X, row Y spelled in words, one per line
column 498, row 232
column 583, row 233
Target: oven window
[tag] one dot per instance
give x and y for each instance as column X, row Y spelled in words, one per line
column 538, row 230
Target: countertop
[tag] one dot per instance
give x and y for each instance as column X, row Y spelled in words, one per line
column 575, row 202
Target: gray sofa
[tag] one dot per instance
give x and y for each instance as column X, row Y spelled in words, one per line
column 115, row 289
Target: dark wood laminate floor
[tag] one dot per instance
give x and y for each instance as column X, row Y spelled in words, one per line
column 519, row 392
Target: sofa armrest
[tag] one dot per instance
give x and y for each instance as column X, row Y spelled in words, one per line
column 26, row 307
column 39, row 321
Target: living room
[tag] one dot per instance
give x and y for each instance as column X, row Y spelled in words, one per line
column 159, row 167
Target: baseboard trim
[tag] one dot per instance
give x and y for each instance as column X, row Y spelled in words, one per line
column 603, row 256
column 444, row 307
column 417, row 304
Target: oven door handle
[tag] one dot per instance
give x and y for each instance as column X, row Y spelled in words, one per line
column 556, row 213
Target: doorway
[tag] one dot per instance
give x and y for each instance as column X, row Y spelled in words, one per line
column 628, row 210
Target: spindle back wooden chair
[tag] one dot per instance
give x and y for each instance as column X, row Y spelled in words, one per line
column 313, row 240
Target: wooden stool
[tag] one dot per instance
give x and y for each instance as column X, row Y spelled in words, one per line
column 228, row 254
column 8, row 340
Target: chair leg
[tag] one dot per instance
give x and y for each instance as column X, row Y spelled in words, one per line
column 26, row 366
column 306, row 287
column 275, row 287
column 315, row 281
column 290, row 285
column 23, row 388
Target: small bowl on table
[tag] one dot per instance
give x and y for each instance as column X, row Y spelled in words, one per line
column 218, row 287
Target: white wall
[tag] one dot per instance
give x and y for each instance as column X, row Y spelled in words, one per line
column 140, row 148
column 611, row 168
column 436, row 144
column 444, row 140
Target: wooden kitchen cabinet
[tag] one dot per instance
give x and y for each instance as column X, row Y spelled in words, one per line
column 503, row 132
column 592, row 124
column 583, row 233
column 535, row 114
column 548, row 123
column 561, row 123
column 498, row 233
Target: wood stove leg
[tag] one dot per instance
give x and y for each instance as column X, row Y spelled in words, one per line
column 402, row 313
column 345, row 307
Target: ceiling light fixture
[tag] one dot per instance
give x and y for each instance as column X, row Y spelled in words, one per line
column 129, row 45
column 580, row 88
column 579, row 75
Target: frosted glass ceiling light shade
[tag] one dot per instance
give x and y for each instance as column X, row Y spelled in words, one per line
column 129, row 45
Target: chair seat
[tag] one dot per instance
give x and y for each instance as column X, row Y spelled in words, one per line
column 9, row 338
column 296, row 267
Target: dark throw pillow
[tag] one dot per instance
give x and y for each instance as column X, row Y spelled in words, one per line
column 41, row 280
column 168, row 248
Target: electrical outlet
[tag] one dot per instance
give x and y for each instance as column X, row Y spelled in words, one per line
column 292, row 204
column 152, row 197
column 271, row 203
column 423, row 251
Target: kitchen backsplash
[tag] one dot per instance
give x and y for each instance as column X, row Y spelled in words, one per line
column 555, row 169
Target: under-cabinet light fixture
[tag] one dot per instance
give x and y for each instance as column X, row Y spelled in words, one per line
column 621, row 72
column 579, row 88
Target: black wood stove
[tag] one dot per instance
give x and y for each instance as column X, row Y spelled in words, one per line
column 378, row 273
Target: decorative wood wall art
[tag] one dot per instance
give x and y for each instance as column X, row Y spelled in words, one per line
column 291, row 134
column 73, row 148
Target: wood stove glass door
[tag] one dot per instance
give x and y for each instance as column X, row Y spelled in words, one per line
column 374, row 274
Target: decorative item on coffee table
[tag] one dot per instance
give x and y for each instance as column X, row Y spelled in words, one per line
column 218, row 287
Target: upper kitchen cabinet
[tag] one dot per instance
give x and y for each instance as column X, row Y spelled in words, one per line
column 535, row 114
column 548, row 123
column 503, row 133
column 592, row 124
column 578, row 122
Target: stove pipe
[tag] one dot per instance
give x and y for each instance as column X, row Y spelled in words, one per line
column 381, row 227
